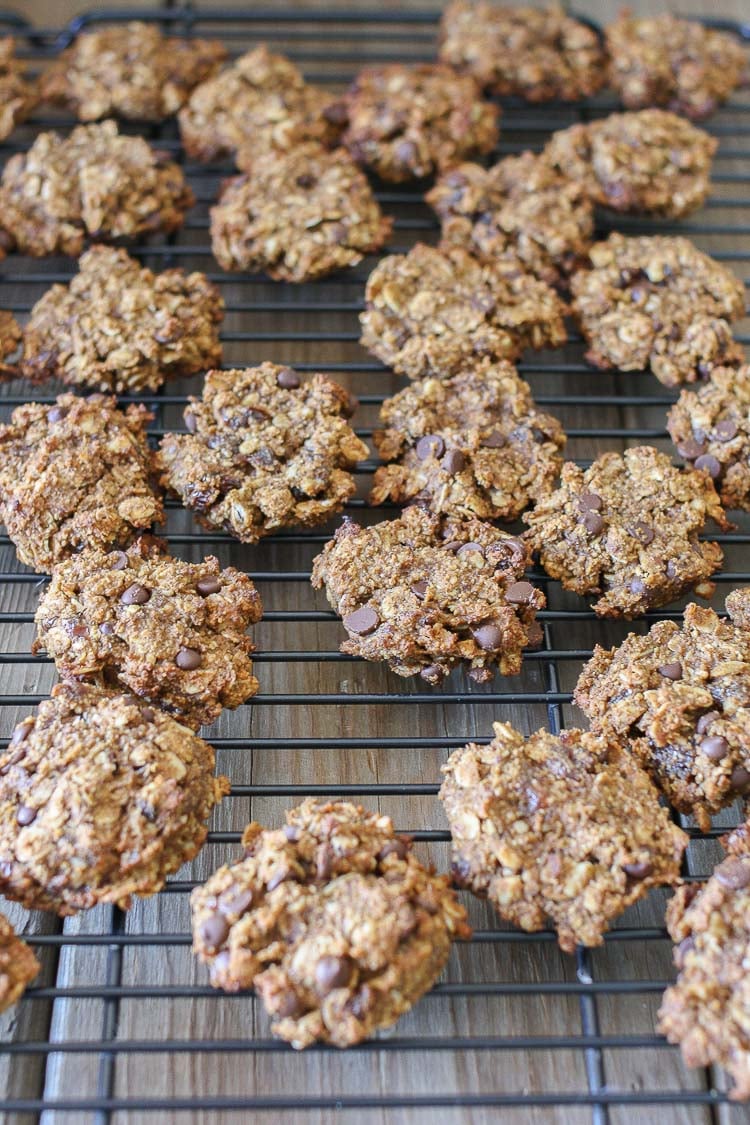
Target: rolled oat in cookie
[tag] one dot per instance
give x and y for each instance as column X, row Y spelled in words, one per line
column 627, row 529
column 427, row 593
column 18, row 965
column 332, row 919
column 18, row 95
column 566, row 827
column 101, row 798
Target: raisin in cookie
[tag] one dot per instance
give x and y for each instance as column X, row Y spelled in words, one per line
column 18, row 965
column 101, row 798
column 73, row 475
column 264, row 450
column 660, row 304
column 651, row 162
column 332, row 919
column 119, row 327
column 18, row 96
column 627, row 529
column 299, row 217
column 474, row 445
column 434, row 311
column 566, row 827
column 169, row 631
column 427, row 594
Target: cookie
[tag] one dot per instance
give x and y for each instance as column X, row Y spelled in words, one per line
column 680, row 696
column 332, row 919
column 539, row 55
column 426, row 594
column 75, row 474
column 259, row 103
column 94, row 184
column 264, row 450
column 10, row 337
column 405, row 122
column 566, row 827
column 171, row 632
column 130, row 70
column 119, row 327
column 651, row 162
column 521, row 208
column 658, row 303
column 101, row 798
column 18, row 96
column 18, row 965
column 433, row 312
column 680, row 64
column 626, row 529
column 473, row 446
column 300, row 216
column 711, row 430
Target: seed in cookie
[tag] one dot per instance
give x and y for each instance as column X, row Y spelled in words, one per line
column 18, row 965
column 18, row 96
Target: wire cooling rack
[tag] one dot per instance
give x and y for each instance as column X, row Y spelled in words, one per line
column 121, row 1025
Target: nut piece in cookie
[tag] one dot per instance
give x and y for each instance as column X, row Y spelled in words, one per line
column 521, row 208
column 300, row 216
column 566, row 827
column 436, row 311
column 129, row 70
column 18, row 96
column 101, row 798
column 264, row 450
column 680, row 696
column 73, row 475
column 18, row 965
column 651, row 162
column 474, row 445
column 627, row 529
column 332, row 919
column 658, row 303
column 406, row 122
column 427, row 594
column 119, row 327
column 680, row 64
column 539, row 55
column 169, row 631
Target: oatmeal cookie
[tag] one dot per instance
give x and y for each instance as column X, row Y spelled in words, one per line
column 299, row 217
column 10, row 338
column 427, row 593
column 627, row 529
column 332, row 919
column 129, row 70
column 73, row 475
column 658, row 303
column 405, row 122
column 264, row 450
column 18, row 965
column 651, row 162
column 169, row 631
column 18, row 96
column 94, row 184
column 521, row 209
column 432, row 312
column 101, row 798
column 566, row 827
column 539, row 55
column 680, row 64
column 118, row 327
column 471, row 446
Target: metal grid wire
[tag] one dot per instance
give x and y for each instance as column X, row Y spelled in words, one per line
column 71, row 1045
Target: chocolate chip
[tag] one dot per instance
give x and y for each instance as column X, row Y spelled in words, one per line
column 637, row 586
column 519, row 593
column 453, row 462
column 238, row 903
column 687, row 945
column 282, row 876
column 470, row 548
column 489, row 636
column 289, row 1006
column 209, row 585
column 431, row 445
column 714, row 748
column 107, row 628
column 25, row 815
column 691, row 449
column 495, row 440
column 725, row 430
column 705, row 721
column 432, row 673
column 592, row 522
column 292, row 834
column 120, row 560
column 333, row 972
column 191, row 422
column 396, row 847
column 671, row 569
column 288, row 379
column 406, row 152
column 709, row 464
column 739, row 779
column 452, row 545
column 135, row 595
column 733, row 873
column 148, row 714
column 589, row 501
column 419, row 589
column 644, row 533
column 21, row 733
column 639, row 870
column 671, row 671
column 214, row 931
column 324, row 862
column 57, row 413
column 362, row 621
column 188, row 659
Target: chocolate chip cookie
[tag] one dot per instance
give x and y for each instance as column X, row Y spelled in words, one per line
column 432, row 312
column 18, row 965
column 471, row 446
column 264, row 450
column 658, row 303
column 332, row 919
column 680, row 695
column 10, row 337
column 119, row 327
column 566, row 827
column 73, row 475
column 18, row 96
column 627, row 529
column 101, row 797
column 427, row 593
column 171, row 632
column 299, row 217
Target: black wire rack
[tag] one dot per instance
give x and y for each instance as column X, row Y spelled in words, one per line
column 121, row 1025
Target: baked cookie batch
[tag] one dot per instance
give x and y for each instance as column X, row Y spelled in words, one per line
column 107, row 788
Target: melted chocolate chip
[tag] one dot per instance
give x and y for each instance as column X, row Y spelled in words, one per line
column 135, row 595
column 362, row 621
column 519, row 593
column 714, row 748
column 431, row 445
column 739, row 779
column 639, row 870
column 419, row 589
column 333, row 972
column 191, row 422
column 733, row 873
column 725, row 429
column 671, row 671
column 57, row 413
column 396, row 847
column 288, row 379
column 214, row 931
column 592, row 522
column 148, row 714
column 188, row 659
column 21, row 733
column 453, row 462
column 709, row 464
column 289, row 1006
column 705, row 721
column 644, row 533
column 489, row 637
column 495, row 440
column 120, row 560
column 691, row 449
column 432, row 673
column 471, row 548
column 589, row 501
column 25, row 815
column 207, row 586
